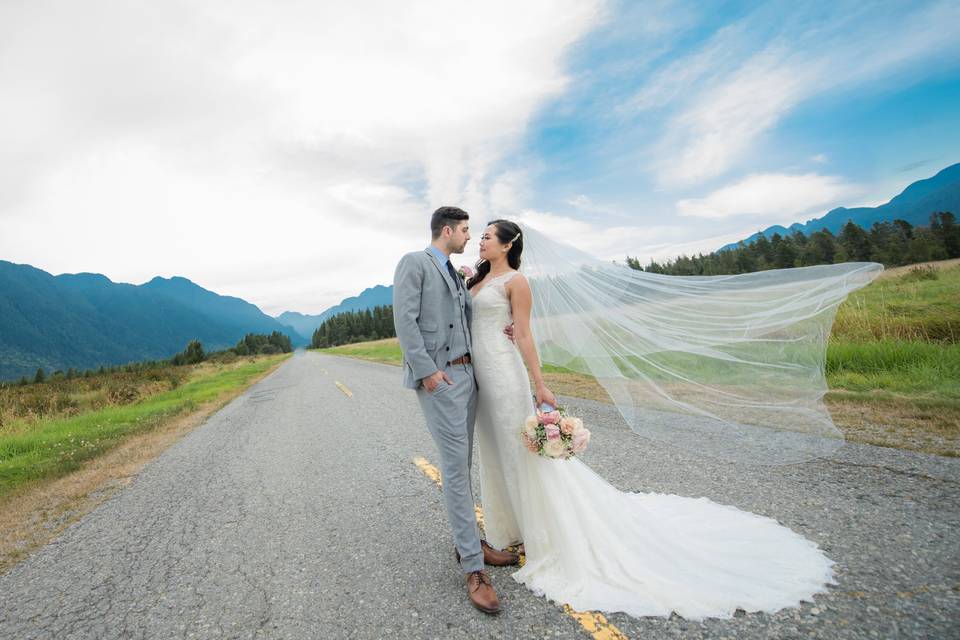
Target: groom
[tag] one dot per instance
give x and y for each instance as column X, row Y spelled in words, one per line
column 432, row 315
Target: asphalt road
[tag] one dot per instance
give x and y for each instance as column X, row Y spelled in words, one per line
column 297, row 512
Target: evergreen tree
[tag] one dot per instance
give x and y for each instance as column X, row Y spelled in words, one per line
column 855, row 242
column 40, row 376
column 784, row 253
column 923, row 246
column 744, row 259
column 763, row 251
column 943, row 224
column 354, row 326
column 191, row 355
column 892, row 243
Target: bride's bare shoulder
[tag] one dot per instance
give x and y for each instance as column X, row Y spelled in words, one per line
column 514, row 280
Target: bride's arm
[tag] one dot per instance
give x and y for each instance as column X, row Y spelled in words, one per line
column 518, row 291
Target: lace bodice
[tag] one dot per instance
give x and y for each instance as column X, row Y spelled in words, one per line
column 491, row 307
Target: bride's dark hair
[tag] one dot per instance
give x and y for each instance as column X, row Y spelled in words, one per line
column 506, row 232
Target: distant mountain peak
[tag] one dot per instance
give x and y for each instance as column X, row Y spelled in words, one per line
column 178, row 281
column 914, row 204
column 305, row 324
column 87, row 277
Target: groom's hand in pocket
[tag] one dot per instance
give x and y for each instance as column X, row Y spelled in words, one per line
column 440, row 377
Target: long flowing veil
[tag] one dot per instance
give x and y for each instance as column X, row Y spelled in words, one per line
column 730, row 367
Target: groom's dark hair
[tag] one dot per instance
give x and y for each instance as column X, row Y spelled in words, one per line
column 446, row 217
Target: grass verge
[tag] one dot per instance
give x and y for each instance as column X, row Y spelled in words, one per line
column 73, row 477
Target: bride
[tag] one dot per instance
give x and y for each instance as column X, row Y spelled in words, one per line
column 588, row 544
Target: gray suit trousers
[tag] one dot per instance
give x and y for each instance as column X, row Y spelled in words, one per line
column 450, row 412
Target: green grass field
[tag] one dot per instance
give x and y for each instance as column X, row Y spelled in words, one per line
column 893, row 361
column 49, row 447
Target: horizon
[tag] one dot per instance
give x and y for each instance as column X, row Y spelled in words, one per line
column 256, row 150
column 372, row 287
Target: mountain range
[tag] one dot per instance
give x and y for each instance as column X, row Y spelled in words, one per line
column 914, row 204
column 369, row 298
column 85, row 320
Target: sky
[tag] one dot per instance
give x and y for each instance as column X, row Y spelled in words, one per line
column 289, row 153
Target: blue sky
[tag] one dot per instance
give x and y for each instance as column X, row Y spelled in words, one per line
column 865, row 99
column 290, row 155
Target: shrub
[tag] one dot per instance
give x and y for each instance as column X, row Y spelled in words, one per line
column 922, row 272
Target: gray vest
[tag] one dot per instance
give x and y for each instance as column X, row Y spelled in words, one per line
column 460, row 334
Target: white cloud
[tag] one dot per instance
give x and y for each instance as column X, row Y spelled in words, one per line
column 770, row 196
column 615, row 243
column 722, row 99
column 586, row 205
column 287, row 155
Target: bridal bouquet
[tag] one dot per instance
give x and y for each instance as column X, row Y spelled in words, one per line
column 554, row 434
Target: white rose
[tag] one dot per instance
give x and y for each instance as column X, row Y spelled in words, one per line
column 554, row 448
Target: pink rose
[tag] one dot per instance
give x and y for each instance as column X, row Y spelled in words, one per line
column 566, row 426
column 550, row 418
column 553, row 432
column 466, row 271
column 577, row 425
column 580, row 441
column 531, row 444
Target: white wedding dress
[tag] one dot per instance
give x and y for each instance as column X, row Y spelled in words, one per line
column 594, row 547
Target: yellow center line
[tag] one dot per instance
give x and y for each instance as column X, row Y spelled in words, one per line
column 429, row 470
column 592, row 622
column 343, row 388
column 595, row 624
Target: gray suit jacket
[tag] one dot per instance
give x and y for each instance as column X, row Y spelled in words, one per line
column 426, row 305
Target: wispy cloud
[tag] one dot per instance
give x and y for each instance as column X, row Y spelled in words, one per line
column 742, row 82
column 914, row 165
column 616, row 242
column 770, row 196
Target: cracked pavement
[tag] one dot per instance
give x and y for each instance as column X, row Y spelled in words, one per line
column 297, row 512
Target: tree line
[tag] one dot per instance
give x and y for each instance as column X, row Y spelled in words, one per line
column 890, row 243
column 354, row 326
column 193, row 353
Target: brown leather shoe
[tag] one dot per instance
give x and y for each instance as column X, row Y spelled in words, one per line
column 481, row 592
column 494, row 557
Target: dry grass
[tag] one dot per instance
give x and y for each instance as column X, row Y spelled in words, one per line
column 34, row 514
column 899, row 423
column 894, row 272
column 575, row 385
column 886, row 421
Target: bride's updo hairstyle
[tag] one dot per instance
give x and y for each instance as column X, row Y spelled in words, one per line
column 507, row 232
